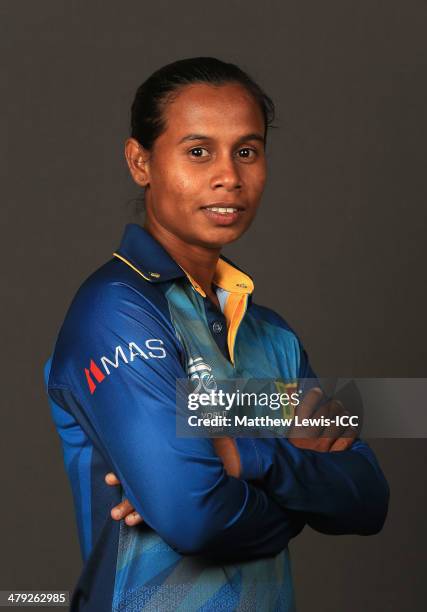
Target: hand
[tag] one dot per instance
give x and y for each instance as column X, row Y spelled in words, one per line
column 318, row 438
column 226, row 449
column 124, row 510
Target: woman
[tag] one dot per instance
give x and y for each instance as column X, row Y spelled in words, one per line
column 207, row 521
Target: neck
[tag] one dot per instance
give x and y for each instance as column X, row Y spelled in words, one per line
column 199, row 261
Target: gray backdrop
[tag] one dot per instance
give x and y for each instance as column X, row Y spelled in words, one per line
column 338, row 247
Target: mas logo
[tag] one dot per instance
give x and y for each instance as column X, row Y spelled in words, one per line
column 95, row 374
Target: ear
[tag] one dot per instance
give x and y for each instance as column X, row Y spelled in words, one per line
column 138, row 161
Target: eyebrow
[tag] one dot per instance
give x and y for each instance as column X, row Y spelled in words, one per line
column 251, row 136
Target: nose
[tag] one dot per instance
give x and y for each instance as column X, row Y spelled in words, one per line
column 226, row 174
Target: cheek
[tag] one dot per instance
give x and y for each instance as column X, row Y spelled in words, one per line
column 179, row 180
column 255, row 180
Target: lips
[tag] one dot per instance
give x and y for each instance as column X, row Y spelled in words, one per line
column 223, row 213
column 223, row 206
column 221, row 209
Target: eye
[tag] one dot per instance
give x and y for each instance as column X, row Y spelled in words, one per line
column 247, row 153
column 198, row 152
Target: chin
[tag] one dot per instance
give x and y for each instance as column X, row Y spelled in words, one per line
column 218, row 237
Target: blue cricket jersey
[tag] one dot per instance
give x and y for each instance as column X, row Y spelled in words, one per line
column 209, row 541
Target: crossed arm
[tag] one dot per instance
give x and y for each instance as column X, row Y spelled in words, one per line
column 335, row 493
column 245, row 498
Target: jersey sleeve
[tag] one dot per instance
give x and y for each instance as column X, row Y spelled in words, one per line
column 122, row 360
column 338, row 492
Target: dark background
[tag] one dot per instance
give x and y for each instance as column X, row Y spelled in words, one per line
column 338, row 247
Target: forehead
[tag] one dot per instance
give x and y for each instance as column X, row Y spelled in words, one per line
column 201, row 108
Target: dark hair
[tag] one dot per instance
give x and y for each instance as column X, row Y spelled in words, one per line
column 147, row 117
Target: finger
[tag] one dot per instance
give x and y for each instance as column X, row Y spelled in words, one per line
column 331, row 411
column 304, row 443
column 345, row 441
column 304, row 411
column 111, row 479
column 341, row 444
column 226, row 449
column 309, row 402
column 133, row 519
column 325, row 435
column 121, row 510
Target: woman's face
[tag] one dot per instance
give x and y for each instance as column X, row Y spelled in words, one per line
column 210, row 156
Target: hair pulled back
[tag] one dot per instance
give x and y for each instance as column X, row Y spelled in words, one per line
column 147, row 112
